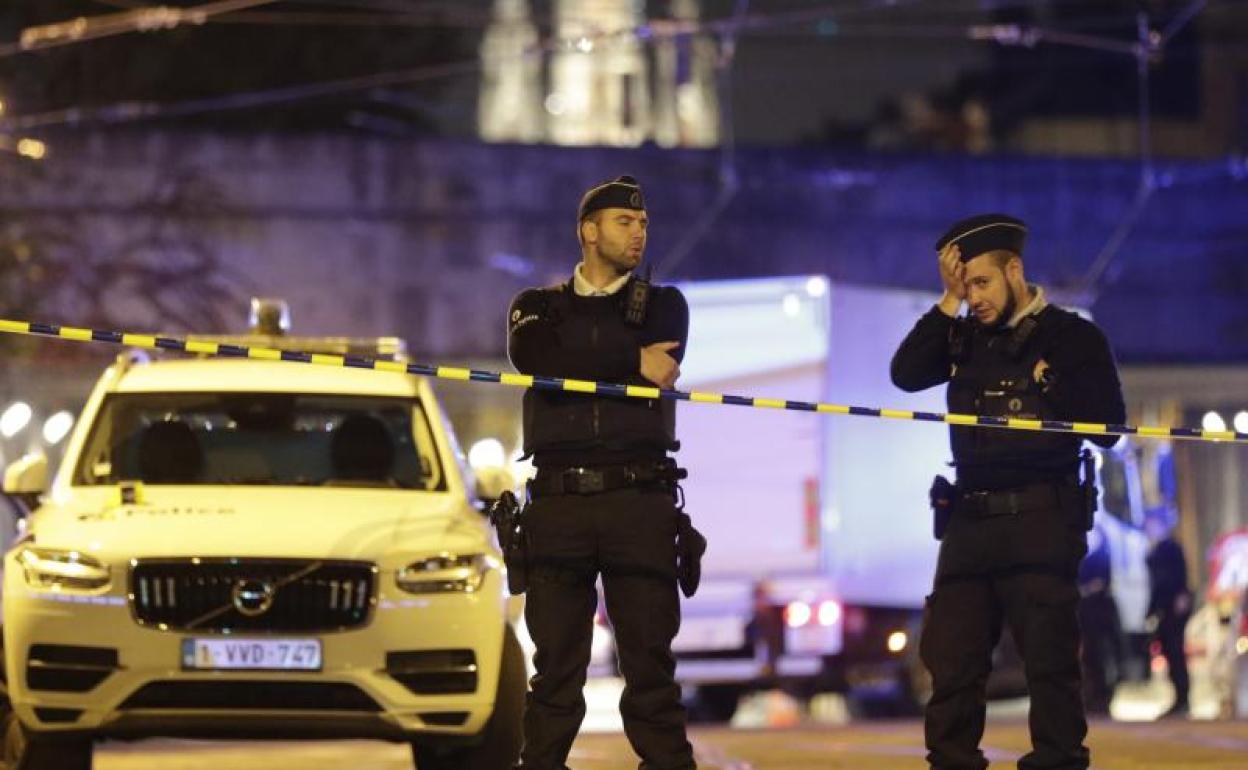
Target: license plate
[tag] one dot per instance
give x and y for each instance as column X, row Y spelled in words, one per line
column 251, row 654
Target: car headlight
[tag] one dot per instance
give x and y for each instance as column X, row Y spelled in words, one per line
column 445, row 573
column 57, row 569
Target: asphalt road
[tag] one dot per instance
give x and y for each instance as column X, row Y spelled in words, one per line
column 1171, row 745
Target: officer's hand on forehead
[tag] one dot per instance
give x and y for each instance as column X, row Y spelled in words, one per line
column 952, row 271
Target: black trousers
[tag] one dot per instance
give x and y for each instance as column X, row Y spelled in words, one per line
column 627, row 536
column 1018, row 570
column 1171, row 631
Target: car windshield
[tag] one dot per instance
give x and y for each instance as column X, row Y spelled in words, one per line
column 261, row 438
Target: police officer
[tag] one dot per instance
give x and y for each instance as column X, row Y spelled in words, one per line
column 1169, row 602
column 1099, row 624
column 1013, row 526
column 603, row 499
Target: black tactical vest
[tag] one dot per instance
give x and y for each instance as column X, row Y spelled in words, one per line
column 993, row 375
column 593, row 428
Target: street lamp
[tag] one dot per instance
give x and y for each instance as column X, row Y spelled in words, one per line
column 15, row 418
column 31, row 148
column 57, row 427
column 487, row 453
column 1212, row 421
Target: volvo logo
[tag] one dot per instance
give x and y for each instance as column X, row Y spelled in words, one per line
column 253, row 597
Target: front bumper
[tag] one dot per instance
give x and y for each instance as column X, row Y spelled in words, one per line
column 144, row 691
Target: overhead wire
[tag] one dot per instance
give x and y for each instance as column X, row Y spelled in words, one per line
column 733, row 26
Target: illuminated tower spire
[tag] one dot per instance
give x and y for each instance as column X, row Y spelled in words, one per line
column 600, row 90
column 686, row 101
column 510, row 102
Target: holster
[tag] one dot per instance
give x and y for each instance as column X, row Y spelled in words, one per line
column 690, row 545
column 942, row 496
column 507, row 516
column 1088, row 487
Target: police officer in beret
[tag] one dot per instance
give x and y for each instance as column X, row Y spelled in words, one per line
column 1169, row 601
column 1013, row 526
column 603, row 501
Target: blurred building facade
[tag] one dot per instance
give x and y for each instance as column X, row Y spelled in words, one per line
column 609, row 76
column 430, row 240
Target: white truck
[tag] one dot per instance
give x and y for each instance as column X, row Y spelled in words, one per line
column 819, row 526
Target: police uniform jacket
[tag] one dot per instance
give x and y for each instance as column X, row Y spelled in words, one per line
column 990, row 371
column 554, row 332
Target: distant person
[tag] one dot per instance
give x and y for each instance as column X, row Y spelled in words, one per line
column 1169, row 603
column 1101, row 628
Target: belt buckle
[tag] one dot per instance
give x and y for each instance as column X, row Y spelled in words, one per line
column 977, row 502
column 588, row 481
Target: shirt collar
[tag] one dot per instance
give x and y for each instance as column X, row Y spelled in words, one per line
column 583, row 288
column 1038, row 303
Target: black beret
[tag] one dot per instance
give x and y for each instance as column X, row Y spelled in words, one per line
column 984, row 233
column 623, row 192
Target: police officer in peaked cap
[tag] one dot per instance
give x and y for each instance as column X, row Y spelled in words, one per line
column 1013, row 525
column 603, row 501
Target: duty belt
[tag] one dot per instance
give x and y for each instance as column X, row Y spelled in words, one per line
column 1008, row 502
column 592, row 481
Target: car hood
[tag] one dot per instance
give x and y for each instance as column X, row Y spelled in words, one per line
column 339, row 523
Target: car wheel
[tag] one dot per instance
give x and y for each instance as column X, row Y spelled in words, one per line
column 499, row 745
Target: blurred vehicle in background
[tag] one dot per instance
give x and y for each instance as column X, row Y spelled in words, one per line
column 1119, row 518
column 1239, row 672
column 1225, row 616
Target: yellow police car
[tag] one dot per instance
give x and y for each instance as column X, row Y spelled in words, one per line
column 242, row 548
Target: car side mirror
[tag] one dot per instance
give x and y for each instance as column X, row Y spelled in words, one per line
column 26, row 478
column 492, row 482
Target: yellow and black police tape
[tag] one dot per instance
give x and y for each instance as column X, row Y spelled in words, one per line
column 205, row 347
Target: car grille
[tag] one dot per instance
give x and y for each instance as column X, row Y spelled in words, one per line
column 267, row 595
